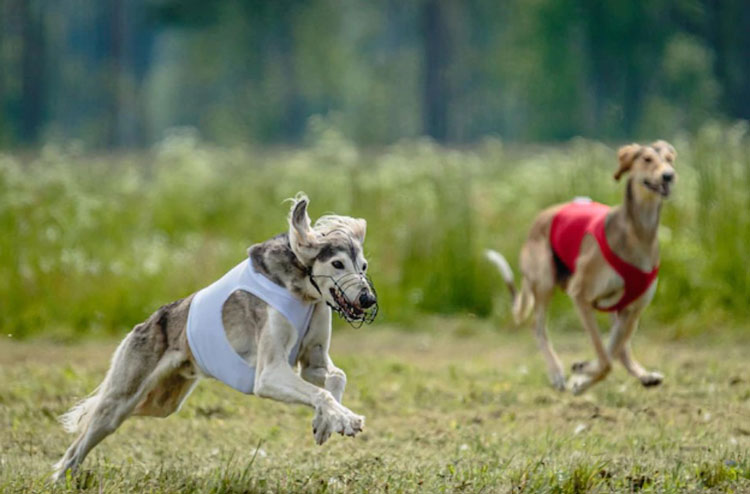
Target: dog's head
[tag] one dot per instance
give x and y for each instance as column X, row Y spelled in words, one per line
column 651, row 167
column 331, row 251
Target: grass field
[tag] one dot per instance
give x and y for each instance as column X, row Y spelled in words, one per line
column 91, row 244
column 458, row 408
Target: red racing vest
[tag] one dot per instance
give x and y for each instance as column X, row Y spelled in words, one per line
column 583, row 216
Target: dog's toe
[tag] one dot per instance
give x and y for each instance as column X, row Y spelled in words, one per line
column 317, row 423
column 320, row 428
column 360, row 423
column 322, row 434
column 355, row 425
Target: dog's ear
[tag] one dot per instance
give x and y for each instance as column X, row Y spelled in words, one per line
column 301, row 236
column 359, row 229
column 626, row 155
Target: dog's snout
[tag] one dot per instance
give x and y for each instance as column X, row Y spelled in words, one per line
column 366, row 299
column 667, row 176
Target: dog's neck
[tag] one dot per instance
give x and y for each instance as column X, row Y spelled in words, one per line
column 643, row 212
column 634, row 227
column 275, row 260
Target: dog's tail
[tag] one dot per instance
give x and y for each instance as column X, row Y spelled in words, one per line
column 76, row 419
column 523, row 301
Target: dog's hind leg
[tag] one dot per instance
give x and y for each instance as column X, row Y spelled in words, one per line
column 537, row 287
column 554, row 366
column 523, row 302
column 168, row 396
column 625, row 325
column 116, row 403
column 136, row 369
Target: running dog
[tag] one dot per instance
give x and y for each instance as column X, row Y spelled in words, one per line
column 264, row 328
column 604, row 258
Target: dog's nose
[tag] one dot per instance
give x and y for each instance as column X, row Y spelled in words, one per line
column 366, row 299
column 667, row 176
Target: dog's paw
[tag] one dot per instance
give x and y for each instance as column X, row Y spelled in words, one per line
column 651, row 379
column 558, row 382
column 354, row 425
column 579, row 383
column 56, row 477
column 59, row 472
column 336, row 419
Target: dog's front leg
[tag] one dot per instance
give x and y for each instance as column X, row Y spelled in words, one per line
column 587, row 375
column 318, row 369
column 316, row 363
column 275, row 379
column 619, row 346
column 335, row 381
column 279, row 382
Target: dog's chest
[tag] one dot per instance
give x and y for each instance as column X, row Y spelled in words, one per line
column 207, row 336
column 609, row 287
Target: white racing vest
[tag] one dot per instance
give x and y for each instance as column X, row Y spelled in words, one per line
column 205, row 329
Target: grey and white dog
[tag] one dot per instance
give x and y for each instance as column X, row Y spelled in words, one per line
column 153, row 370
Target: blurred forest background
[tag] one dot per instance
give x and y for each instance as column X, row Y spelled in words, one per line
column 119, row 73
column 144, row 144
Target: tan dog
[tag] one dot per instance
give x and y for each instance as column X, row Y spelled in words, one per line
column 590, row 278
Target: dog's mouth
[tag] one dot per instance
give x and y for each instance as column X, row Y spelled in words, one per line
column 345, row 307
column 662, row 188
column 351, row 310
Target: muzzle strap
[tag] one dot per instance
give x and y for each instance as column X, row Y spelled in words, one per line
column 312, row 280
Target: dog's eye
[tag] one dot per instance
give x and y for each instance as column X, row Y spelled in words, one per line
column 364, row 267
column 338, row 264
column 647, row 159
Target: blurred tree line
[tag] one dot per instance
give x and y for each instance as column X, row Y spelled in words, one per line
column 117, row 73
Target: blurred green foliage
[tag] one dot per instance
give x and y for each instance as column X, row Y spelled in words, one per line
column 94, row 243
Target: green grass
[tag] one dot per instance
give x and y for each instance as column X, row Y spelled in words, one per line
column 459, row 408
column 92, row 244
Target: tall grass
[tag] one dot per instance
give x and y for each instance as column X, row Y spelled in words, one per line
column 93, row 243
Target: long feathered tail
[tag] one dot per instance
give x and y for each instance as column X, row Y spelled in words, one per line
column 76, row 419
column 523, row 301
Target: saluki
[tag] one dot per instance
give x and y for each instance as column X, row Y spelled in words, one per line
column 263, row 328
column 604, row 258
